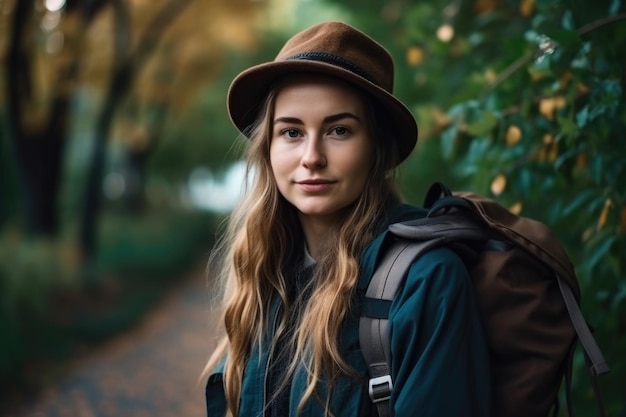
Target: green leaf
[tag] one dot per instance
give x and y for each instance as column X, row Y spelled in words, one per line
column 596, row 168
column 582, row 117
column 599, row 252
column 615, row 7
column 580, row 200
column 484, row 126
column 478, row 149
column 605, row 98
column 620, row 296
column 448, row 142
column 567, row 126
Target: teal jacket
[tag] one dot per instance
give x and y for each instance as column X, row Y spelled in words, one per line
column 440, row 364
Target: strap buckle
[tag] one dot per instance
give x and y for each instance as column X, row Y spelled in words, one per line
column 380, row 388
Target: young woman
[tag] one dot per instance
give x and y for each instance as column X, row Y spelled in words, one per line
column 325, row 135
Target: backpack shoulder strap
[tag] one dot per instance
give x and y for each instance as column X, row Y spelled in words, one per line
column 373, row 329
column 596, row 363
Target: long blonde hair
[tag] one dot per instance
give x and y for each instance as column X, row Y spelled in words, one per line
column 251, row 258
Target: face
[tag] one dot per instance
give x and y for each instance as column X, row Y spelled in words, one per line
column 320, row 152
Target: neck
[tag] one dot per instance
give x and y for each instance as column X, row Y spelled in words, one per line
column 316, row 231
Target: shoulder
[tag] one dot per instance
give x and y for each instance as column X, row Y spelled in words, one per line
column 439, row 270
column 437, row 292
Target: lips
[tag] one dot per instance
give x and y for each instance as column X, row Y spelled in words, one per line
column 315, row 185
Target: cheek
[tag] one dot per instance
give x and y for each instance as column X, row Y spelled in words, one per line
column 363, row 178
column 278, row 164
column 362, row 166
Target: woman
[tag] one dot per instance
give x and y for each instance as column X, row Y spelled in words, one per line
column 326, row 134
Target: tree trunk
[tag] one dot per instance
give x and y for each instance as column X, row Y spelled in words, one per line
column 38, row 149
column 125, row 67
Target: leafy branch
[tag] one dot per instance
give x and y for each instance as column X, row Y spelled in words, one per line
column 545, row 48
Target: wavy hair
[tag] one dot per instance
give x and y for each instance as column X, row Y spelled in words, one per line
column 251, row 258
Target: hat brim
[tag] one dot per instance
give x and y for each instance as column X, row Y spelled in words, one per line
column 248, row 90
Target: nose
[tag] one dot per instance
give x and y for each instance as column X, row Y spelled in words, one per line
column 313, row 156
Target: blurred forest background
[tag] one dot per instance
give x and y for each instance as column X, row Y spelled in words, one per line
column 118, row 161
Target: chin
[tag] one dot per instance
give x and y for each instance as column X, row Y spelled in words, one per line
column 321, row 212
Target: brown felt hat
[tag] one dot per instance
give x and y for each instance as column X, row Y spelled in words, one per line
column 335, row 49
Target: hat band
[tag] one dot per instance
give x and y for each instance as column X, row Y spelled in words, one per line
column 336, row 61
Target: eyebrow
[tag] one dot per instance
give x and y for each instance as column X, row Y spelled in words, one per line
column 327, row 119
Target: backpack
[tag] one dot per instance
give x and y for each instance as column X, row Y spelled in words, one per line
column 525, row 289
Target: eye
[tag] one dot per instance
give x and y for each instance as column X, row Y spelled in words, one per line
column 340, row 131
column 290, row 133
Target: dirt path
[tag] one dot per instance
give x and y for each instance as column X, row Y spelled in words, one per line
column 151, row 370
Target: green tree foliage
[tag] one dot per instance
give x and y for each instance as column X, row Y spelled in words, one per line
column 523, row 100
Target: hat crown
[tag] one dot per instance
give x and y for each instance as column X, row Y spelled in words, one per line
column 332, row 49
column 339, row 44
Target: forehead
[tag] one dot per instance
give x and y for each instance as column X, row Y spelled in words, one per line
column 314, row 89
